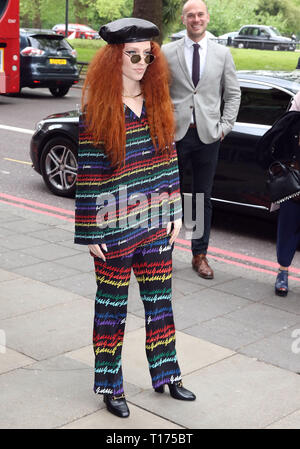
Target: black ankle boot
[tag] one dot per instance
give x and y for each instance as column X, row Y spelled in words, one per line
column 177, row 391
column 116, row 405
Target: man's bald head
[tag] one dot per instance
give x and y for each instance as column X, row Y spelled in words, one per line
column 196, row 18
column 190, row 3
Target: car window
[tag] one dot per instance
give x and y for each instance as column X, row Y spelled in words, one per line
column 262, row 105
column 43, row 43
column 254, row 32
column 244, row 31
column 274, row 31
column 264, row 33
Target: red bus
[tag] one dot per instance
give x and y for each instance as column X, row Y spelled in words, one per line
column 9, row 46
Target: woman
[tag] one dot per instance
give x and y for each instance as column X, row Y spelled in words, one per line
column 127, row 158
column 288, row 230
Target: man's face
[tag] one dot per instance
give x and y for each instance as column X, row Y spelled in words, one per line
column 196, row 18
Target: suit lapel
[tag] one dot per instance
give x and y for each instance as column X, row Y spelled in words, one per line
column 182, row 62
column 207, row 68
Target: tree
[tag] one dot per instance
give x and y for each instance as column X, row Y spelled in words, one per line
column 149, row 10
column 285, row 12
column 109, row 10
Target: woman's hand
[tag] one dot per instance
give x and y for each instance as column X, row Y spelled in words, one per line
column 174, row 234
column 97, row 250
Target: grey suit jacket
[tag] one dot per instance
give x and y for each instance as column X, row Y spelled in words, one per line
column 218, row 82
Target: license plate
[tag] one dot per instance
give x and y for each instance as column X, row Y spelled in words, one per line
column 58, row 61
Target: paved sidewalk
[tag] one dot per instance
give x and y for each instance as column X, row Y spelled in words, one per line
column 238, row 344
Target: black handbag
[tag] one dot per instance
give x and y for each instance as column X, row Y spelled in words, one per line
column 283, row 182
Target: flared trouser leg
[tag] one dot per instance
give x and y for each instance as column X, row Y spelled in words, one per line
column 112, row 279
column 152, row 266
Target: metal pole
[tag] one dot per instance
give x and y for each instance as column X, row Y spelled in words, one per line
column 67, row 18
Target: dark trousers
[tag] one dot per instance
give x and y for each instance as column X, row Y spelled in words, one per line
column 152, row 266
column 203, row 159
column 288, row 232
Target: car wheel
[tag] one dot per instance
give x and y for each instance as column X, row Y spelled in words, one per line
column 276, row 48
column 59, row 91
column 59, row 166
column 240, row 45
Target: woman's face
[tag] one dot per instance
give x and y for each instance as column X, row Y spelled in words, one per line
column 135, row 72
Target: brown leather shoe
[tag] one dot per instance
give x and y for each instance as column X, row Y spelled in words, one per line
column 200, row 264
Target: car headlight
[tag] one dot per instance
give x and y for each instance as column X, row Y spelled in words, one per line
column 39, row 125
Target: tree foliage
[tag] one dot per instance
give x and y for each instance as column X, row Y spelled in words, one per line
column 226, row 15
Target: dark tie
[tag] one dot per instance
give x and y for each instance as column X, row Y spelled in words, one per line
column 196, row 65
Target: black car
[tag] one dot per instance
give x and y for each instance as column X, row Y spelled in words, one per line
column 262, row 37
column 47, row 60
column 240, row 180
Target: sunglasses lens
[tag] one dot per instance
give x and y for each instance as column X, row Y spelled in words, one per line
column 149, row 59
column 135, row 59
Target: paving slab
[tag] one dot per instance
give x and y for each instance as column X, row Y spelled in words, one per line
column 264, row 318
column 4, row 232
column 7, row 275
column 182, row 288
column 83, row 284
column 281, row 349
column 237, row 392
column 81, row 262
column 188, row 274
column 22, row 295
column 9, row 261
column 226, row 332
column 290, row 303
column 50, row 252
column 138, row 419
column 192, row 354
column 11, row 360
column 49, row 394
column 46, row 271
column 25, row 226
column 291, row 421
column 19, row 242
column 205, row 305
column 53, row 235
column 244, row 289
column 51, row 331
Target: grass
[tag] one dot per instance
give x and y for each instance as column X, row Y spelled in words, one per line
column 248, row 59
column 86, row 48
column 245, row 59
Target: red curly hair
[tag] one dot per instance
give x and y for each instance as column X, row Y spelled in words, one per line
column 103, row 105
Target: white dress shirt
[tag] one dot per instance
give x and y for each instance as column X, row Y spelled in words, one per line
column 189, row 52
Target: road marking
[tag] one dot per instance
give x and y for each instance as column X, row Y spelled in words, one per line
column 16, row 160
column 239, row 256
column 240, row 264
column 14, row 128
column 36, row 204
column 43, row 212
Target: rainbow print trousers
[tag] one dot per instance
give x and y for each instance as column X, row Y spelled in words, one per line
column 152, row 266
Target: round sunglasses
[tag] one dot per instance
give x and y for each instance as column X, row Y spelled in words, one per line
column 149, row 58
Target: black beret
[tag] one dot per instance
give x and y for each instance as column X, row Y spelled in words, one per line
column 128, row 30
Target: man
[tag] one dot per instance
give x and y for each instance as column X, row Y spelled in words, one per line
column 202, row 76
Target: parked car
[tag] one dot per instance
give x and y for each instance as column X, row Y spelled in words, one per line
column 240, row 179
column 227, row 38
column 47, row 60
column 80, row 31
column 263, row 37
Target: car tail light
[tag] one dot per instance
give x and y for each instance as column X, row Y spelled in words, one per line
column 74, row 53
column 31, row 51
